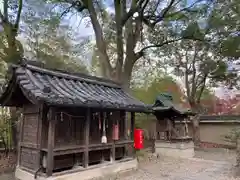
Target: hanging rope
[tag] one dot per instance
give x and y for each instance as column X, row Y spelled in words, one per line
column 102, row 125
column 69, row 115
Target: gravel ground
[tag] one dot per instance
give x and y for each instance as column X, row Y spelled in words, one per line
column 205, row 166
column 216, row 155
column 183, row 169
column 7, row 163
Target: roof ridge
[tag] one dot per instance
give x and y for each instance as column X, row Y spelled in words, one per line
column 39, row 67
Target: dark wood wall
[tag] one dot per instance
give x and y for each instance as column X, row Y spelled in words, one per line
column 30, row 137
column 60, row 135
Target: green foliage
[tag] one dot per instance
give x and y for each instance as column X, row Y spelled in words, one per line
column 197, row 64
column 10, row 48
column 207, row 94
column 159, row 85
column 231, row 47
column 50, row 41
column 95, row 66
column 193, row 32
column 223, row 24
column 178, row 16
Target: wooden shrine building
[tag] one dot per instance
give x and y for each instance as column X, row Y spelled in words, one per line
column 71, row 122
column 171, row 137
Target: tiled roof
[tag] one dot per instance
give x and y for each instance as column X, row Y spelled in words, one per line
column 56, row 87
column 164, row 102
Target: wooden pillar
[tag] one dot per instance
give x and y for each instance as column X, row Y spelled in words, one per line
column 86, row 138
column 132, row 130
column 125, row 119
column 132, row 124
column 51, row 141
column 186, row 126
column 113, row 150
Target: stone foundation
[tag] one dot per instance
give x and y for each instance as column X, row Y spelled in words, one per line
column 97, row 171
column 175, row 149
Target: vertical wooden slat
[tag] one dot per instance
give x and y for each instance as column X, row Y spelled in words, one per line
column 102, row 116
column 86, row 138
column 113, row 149
column 124, row 118
column 39, row 134
column 51, row 141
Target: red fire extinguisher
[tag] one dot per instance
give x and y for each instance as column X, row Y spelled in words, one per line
column 138, row 138
column 115, row 132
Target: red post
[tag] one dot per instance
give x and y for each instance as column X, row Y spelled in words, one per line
column 138, row 138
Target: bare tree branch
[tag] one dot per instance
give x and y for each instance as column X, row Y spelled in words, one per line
column 78, row 5
column 186, row 75
column 165, row 14
column 132, row 10
column 201, row 89
column 158, row 18
column 167, row 8
column 20, row 5
column 188, row 9
column 101, row 44
column 4, row 20
column 194, row 89
column 141, row 52
column 5, row 9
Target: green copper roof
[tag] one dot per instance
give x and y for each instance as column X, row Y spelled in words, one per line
column 164, row 102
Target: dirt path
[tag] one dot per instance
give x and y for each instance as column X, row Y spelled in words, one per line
column 183, row 169
column 206, row 166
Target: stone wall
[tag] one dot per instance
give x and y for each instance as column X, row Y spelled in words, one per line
column 213, row 133
column 177, row 149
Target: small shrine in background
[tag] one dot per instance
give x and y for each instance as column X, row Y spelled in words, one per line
column 172, row 137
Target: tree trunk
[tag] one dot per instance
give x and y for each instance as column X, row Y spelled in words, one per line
column 196, row 130
column 195, row 124
column 126, row 82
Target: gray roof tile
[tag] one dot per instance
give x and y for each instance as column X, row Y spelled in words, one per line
column 56, row 87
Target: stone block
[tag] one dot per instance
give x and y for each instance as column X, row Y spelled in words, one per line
column 176, row 149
